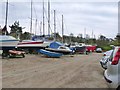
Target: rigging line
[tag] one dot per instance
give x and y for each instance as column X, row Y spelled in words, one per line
column 40, row 17
column 11, row 4
column 35, row 11
column 59, row 23
column 65, row 26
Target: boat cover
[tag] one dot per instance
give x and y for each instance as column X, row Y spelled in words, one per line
column 49, row 53
column 55, row 45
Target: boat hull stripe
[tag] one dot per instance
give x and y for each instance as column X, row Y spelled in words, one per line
column 30, row 43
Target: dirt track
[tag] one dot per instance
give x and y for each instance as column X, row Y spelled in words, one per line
column 36, row 71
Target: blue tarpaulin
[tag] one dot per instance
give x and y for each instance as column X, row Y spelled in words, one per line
column 55, row 45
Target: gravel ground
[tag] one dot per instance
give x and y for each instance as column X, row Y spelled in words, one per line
column 37, row 71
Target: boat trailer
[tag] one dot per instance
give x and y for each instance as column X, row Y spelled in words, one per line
column 12, row 53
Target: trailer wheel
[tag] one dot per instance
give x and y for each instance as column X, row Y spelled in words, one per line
column 23, row 55
column 5, row 55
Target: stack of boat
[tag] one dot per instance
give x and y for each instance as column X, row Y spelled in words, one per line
column 55, row 49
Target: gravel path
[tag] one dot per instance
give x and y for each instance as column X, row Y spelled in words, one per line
column 37, row 71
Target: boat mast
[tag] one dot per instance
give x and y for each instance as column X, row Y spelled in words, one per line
column 35, row 26
column 40, row 28
column 55, row 25
column 92, row 34
column 6, row 13
column 6, row 16
column 31, row 19
column 62, row 29
column 43, row 20
column 48, row 18
column 85, row 35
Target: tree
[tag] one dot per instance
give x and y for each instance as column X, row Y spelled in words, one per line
column 71, row 34
column 25, row 36
column 4, row 31
column 80, row 36
column 102, row 37
column 58, row 37
column 118, row 39
column 71, row 37
column 16, row 30
column 103, row 41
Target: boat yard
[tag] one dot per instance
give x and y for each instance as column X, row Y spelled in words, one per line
column 38, row 71
column 56, row 44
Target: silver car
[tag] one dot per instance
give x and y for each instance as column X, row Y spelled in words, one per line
column 105, row 58
column 112, row 73
column 99, row 50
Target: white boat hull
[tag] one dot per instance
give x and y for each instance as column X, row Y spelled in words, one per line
column 10, row 44
column 64, row 51
column 30, row 43
column 45, row 44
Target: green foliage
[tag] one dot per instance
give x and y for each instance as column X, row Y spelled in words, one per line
column 16, row 30
column 25, row 36
column 106, row 48
column 90, row 41
column 116, row 42
column 118, row 39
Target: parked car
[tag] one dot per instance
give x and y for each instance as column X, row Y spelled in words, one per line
column 105, row 58
column 99, row 50
column 112, row 73
column 80, row 49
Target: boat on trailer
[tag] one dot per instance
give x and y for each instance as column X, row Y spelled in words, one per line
column 7, row 43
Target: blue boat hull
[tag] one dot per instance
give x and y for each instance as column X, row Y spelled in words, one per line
column 50, row 54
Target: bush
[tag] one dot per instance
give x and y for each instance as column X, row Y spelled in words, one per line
column 105, row 48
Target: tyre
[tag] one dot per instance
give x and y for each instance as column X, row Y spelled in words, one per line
column 5, row 55
column 118, row 88
column 23, row 55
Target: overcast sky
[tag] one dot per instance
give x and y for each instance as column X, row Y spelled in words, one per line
column 99, row 17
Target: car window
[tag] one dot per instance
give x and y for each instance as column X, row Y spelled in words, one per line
column 108, row 53
column 111, row 57
column 98, row 49
column 113, row 54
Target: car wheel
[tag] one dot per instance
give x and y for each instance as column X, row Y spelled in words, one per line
column 118, row 88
